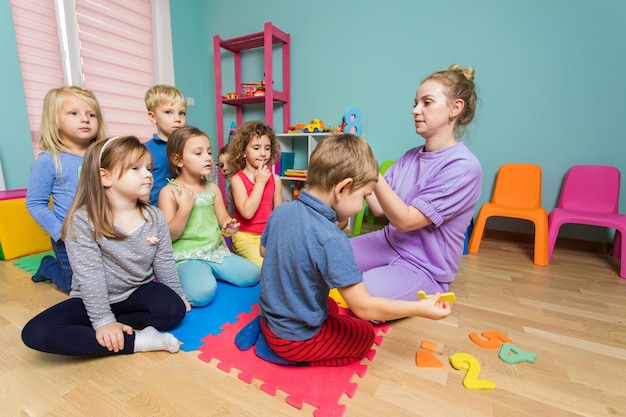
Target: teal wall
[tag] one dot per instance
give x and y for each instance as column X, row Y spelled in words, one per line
column 16, row 148
column 549, row 73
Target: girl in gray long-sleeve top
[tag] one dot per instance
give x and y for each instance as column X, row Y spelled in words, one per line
column 117, row 244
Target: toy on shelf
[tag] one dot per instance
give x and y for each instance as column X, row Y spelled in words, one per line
column 314, row 126
column 297, row 187
column 352, row 121
column 253, row 89
column 230, row 96
column 231, row 132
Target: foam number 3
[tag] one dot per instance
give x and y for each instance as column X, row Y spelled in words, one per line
column 467, row 362
column 352, row 119
column 494, row 339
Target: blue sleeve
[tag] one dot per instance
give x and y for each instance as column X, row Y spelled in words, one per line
column 40, row 183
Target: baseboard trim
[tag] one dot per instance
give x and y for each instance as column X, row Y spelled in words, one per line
column 562, row 242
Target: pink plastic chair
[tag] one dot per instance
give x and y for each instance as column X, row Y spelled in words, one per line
column 590, row 195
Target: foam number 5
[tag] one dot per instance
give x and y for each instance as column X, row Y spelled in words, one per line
column 494, row 339
column 467, row 362
column 352, row 119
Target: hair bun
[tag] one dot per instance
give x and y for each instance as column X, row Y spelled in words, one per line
column 468, row 72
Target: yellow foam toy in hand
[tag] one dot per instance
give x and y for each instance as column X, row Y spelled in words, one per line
column 446, row 296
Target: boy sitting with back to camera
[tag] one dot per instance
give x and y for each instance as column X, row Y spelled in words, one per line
column 299, row 324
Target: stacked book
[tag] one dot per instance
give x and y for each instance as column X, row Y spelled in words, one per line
column 295, row 173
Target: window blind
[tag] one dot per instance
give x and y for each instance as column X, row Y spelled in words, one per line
column 116, row 58
column 116, row 48
column 39, row 54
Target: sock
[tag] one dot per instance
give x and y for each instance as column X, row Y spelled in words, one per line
column 247, row 337
column 150, row 339
column 263, row 351
column 39, row 275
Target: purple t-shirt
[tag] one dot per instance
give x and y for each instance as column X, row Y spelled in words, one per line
column 445, row 186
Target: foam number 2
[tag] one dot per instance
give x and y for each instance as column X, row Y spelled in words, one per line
column 469, row 363
column 352, row 119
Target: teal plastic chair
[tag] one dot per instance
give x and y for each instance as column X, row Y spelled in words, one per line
column 358, row 219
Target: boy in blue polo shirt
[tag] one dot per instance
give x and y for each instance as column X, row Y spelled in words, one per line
column 306, row 255
column 167, row 110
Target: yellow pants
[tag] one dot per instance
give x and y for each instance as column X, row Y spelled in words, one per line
column 248, row 245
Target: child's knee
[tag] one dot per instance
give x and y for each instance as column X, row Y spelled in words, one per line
column 199, row 288
column 250, row 279
column 32, row 334
column 201, row 295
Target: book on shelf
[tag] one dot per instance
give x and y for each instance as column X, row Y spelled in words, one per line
column 293, row 172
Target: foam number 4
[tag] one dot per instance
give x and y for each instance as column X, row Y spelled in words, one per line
column 467, row 362
column 494, row 339
column 511, row 354
column 352, row 119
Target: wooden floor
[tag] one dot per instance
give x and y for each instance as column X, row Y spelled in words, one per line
column 572, row 314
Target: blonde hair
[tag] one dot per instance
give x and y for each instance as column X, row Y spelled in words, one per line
column 339, row 157
column 243, row 135
column 163, row 94
column 114, row 155
column 459, row 84
column 50, row 138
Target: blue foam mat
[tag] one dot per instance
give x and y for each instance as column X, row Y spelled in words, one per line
column 229, row 302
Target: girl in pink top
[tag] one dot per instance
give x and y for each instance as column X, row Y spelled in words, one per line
column 256, row 190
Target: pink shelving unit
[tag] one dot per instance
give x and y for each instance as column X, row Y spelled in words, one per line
column 270, row 36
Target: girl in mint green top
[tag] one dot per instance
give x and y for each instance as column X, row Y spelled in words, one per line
column 194, row 209
column 195, row 242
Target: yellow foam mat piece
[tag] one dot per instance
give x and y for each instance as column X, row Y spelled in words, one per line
column 20, row 234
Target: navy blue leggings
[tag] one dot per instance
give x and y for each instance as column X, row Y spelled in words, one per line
column 65, row 328
column 58, row 270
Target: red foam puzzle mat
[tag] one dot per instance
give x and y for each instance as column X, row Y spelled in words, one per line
column 321, row 387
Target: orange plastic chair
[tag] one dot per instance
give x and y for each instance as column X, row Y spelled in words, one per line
column 358, row 219
column 516, row 194
column 590, row 195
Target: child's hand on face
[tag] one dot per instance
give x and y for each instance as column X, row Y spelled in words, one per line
column 185, row 197
column 231, row 226
column 435, row 309
column 262, row 174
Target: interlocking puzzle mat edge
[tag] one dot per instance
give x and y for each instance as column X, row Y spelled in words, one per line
column 322, row 387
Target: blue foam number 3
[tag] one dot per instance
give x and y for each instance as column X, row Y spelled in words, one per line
column 352, row 118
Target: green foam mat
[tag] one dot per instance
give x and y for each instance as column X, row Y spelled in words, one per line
column 31, row 263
